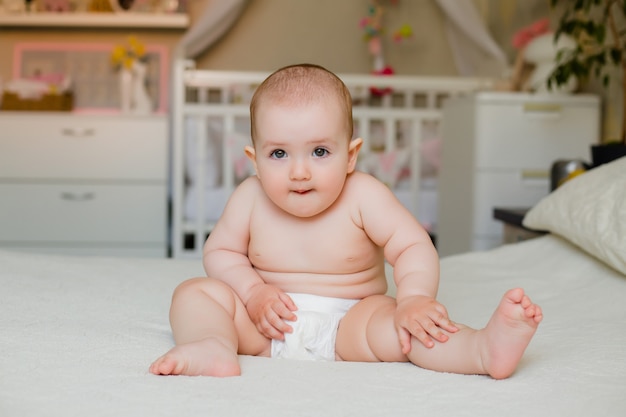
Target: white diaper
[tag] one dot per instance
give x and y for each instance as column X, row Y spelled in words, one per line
column 315, row 331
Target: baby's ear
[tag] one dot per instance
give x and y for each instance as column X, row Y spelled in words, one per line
column 251, row 154
column 353, row 153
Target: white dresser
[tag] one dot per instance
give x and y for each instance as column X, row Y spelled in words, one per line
column 497, row 152
column 79, row 184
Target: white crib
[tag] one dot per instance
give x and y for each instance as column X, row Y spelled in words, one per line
column 396, row 116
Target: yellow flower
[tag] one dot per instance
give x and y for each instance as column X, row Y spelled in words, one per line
column 135, row 47
column 118, row 54
column 125, row 55
column 128, row 62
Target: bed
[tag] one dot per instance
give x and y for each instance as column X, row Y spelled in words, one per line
column 398, row 118
column 77, row 334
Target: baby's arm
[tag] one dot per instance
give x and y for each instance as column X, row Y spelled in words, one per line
column 225, row 257
column 408, row 248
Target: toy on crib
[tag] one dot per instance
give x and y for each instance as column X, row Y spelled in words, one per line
column 381, row 91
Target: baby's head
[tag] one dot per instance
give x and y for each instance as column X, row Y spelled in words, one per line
column 303, row 151
column 302, row 84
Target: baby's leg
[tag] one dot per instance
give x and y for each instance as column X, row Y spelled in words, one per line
column 367, row 333
column 210, row 325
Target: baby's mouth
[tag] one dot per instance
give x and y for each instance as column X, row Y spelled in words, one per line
column 301, row 192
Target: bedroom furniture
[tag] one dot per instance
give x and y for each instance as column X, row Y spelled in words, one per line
column 77, row 334
column 497, row 151
column 211, row 127
column 512, row 228
column 83, row 184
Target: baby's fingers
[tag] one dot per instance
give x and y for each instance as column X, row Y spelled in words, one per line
column 268, row 330
column 440, row 318
column 405, row 340
column 448, row 325
column 274, row 327
column 288, row 302
column 421, row 333
column 285, row 309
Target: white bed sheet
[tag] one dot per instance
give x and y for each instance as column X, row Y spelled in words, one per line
column 77, row 336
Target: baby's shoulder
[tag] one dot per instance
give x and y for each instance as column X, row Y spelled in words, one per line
column 367, row 185
column 249, row 187
column 245, row 194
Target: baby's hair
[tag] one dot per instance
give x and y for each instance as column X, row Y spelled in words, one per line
column 299, row 84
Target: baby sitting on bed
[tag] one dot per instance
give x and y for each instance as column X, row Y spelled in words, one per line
column 296, row 266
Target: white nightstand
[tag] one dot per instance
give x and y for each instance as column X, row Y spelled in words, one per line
column 79, row 184
column 497, row 152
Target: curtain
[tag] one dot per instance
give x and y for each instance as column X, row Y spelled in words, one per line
column 215, row 21
column 474, row 50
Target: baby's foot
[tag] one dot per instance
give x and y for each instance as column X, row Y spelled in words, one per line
column 508, row 333
column 209, row 357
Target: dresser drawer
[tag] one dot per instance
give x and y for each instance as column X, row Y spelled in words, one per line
column 85, row 147
column 82, row 213
column 533, row 134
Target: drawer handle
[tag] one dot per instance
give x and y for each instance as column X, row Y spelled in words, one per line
column 535, row 174
column 542, row 107
column 86, row 196
column 542, row 111
column 78, row 133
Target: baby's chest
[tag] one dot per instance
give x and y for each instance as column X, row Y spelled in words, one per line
column 326, row 245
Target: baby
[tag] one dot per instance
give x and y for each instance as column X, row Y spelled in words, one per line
column 295, row 265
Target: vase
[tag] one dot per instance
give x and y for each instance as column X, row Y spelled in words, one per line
column 126, row 86
column 141, row 102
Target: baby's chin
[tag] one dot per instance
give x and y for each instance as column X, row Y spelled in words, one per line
column 303, row 210
column 302, row 213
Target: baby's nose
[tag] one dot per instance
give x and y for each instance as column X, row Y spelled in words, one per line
column 299, row 170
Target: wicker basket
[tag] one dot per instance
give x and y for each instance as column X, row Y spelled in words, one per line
column 48, row 102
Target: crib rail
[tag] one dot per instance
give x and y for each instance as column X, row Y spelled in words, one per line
column 205, row 98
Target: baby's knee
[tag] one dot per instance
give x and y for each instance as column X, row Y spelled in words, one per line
column 208, row 286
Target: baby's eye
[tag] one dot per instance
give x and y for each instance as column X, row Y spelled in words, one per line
column 278, row 154
column 320, row 152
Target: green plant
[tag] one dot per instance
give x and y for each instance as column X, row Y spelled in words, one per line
column 589, row 22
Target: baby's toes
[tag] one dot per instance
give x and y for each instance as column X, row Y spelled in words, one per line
column 525, row 302
column 530, row 311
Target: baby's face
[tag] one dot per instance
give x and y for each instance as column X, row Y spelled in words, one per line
column 302, row 155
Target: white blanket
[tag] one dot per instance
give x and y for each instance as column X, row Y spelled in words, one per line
column 77, row 336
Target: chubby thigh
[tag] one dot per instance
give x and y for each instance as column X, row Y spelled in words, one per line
column 250, row 340
column 367, row 332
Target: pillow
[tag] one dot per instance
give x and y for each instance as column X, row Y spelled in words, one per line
column 589, row 211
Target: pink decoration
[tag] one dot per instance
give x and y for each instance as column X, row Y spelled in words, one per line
column 528, row 33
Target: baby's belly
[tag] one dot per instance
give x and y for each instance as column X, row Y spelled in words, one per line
column 354, row 285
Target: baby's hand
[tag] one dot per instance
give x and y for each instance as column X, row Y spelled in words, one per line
column 268, row 307
column 422, row 317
